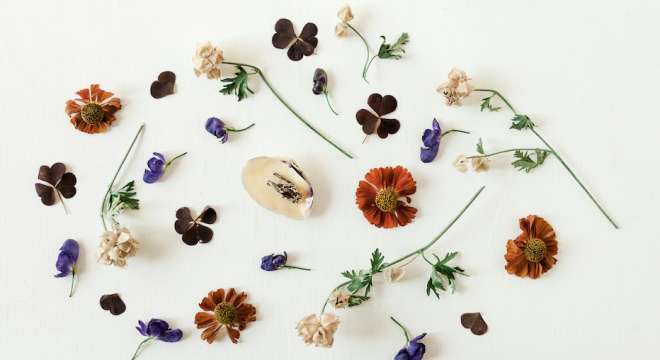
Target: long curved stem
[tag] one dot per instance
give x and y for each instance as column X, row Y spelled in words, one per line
column 364, row 74
column 328, row 100
column 404, row 330
column 73, row 276
column 140, row 347
column 503, row 151
column 295, row 267
column 364, row 70
column 117, row 173
column 239, row 130
column 171, row 161
column 452, row 130
column 258, row 71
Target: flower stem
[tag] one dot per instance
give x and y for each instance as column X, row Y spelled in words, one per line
column 117, row 173
column 364, row 75
column 171, row 161
column 73, row 276
column 328, row 100
column 239, row 130
column 328, row 298
column 452, row 130
column 364, row 71
column 295, row 267
column 404, row 330
column 501, row 97
column 140, row 347
column 503, row 151
column 258, row 71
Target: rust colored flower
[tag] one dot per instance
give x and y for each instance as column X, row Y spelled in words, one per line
column 229, row 311
column 94, row 112
column 531, row 254
column 377, row 124
column 378, row 197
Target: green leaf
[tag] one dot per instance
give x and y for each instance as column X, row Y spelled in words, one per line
column 521, row 122
column 525, row 161
column 485, row 104
column 387, row 51
column 125, row 196
column 376, row 262
column 439, row 270
column 355, row 300
column 358, row 280
column 238, row 84
column 480, row 147
column 430, row 286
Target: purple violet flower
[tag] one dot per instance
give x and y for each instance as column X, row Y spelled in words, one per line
column 431, row 140
column 218, row 129
column 413, row 350
column 66, row 261
column 275, row 262
column 157, row 168
column 320, row 86
column 159, row 330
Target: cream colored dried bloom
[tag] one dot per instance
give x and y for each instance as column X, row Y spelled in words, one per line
column 460, row 163
column 320, row 333
column 116, row 247
column 480, row 164
column 393, row 274
column 338, row 299
column 206, row 59
column 340, row 30
column 345, row 14
column 456, row 88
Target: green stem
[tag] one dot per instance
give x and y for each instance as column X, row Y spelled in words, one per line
column 295, row 267
column 364, row 74
column 73, row 276
column 171, row 161
column 117, row 173
column 452, row 130
column 404, row 330
column 328, row 100
column 503, row 151
column 234, row 130
column 140, row 346
column 364, row 71
column 258, row 71
column 501, row 97
column 427, row 260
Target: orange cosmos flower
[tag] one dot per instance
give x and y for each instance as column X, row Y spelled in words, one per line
column 93, row 112
column 378, row 197
column 531, row 254
column 229, row 311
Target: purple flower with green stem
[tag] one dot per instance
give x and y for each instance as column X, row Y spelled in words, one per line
column 218, row 129
column 274, row 262
column 320, row 86
column 157, row 167
column 413, row 350
column 431, row 139
column 159, row 330
column 66, row 261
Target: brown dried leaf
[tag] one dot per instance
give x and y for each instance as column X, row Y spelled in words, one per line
column 474, row 322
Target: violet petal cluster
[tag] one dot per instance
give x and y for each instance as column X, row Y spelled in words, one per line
column 273, row 262
column 156, row 169
column 67, row 258
column 159, row 330
column 217, row 128
column 320, row 80
column 413, row 351
column 431, row 140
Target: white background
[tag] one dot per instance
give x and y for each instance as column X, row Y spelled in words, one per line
column 586, row 72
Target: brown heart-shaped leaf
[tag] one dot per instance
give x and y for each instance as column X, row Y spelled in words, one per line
column 113, row 303
column 164, row 85
column 284, row 34
column 474, row 322
column 193, row 232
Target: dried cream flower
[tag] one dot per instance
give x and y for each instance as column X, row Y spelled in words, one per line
column 338, row 299
column 480, row 164
column 460, row 163
column 393, row 274
column 345, row 14
column 116, row 247
column 456, row 88
column 340, row 30
column 320, row 333
column 205, row 60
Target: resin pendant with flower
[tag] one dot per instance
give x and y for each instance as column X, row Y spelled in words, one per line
column 279, row 185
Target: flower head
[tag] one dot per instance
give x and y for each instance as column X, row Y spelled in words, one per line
column 273, row 262
column 229, row 311
column 94, row 111
column 531, row 254
column 460, row 163
column 345, row 14
column 59, row 182
column 217, row 128
column 431, row 140
column 206, row 60
column 414, row 350
column 340, row 30
column 378, row 197
column 193, row 232
column 300, row 45
column 157, row 167
column 393, row 274
column 377, row 124
column 480, row 164
column 159, row 330
column 320, row 80
column 320, row 333
column 338, row 299
column 456, row 88
column 117, row 246
column 66, row 260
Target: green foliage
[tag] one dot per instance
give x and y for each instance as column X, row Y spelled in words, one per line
column 440, row 269
column 376, row 261
column 363, row 279
column 387, row 51
column 521, row 122
column 480, row 147
column 238, row 84
column 485, row 104
column 124, row 196
column 355, row 300
column 526, row 163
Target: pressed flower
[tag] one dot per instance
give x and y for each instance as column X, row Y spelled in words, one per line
column 117, row 246
column 320, row 86
column 164, row 85
column 372, row 124
column 156, row 168
column 457, row 88
column 532, row 253
column 393, row 274
column 66, row 261
column 475, row 322
column 113, row 303
column 340, row 30
column 193, row 232
column 431, row 139
column 229, row 311
column 59, row 182
column 338, row 299
column 460, row 163
column 159, row 330
column 274, row 262
column 302, row 45
column 318, row 332
column 206, row 60
column 413, row 350
column 218, row 129
column 480, row 164
column 345, row 14
column 94, row 111
column 378, row 197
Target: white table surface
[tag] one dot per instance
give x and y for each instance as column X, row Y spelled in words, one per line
column 586, row 72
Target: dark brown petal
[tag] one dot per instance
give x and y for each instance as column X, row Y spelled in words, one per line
column 181, row 226
column 113, row 303
column 190, row 236
column 204, row 234
column 46, row 194
column 388, row 126
column 164, row 85
column 474, row 322
column 67, row 191
column 184, row 214
column 46, row 174
column 374, row 102
column 296, row 51
column 58, row 170
column 283, row 34
column 66, row 186
column 208, row 215
column 387, row 105
column 367, row 120
column 309, row 35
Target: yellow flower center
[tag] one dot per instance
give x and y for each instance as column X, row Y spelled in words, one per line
column 92, row 113
column 386, row 200
column 225, row 313
column 535, row 250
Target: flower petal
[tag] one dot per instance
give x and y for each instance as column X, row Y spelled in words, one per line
column 308, row 34
column 233, row 334
column 367, row 120
column 284, row 34
column 63, row 264
column 388, row 126
column 171, row 336
column 151, row 177
column 71, row 248
column 428, row 155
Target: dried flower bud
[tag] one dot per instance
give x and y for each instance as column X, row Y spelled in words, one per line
column 456, row 89
column 340, row 30
column 460, row 163
column 116, row 247
column 345, row 14
column 206, row 59
column 393, row 274
column 318, row 333
column 338, row 299
column 480, row 164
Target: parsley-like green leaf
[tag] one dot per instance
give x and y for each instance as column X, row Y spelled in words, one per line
column 238, row 84
column 480, row 147
column 521, row 122
column 485, row 104
column 525, row 161
column 355, row 300
column 358, row 280
column 441, row 269
column 125, row 196
column 387, row 51
column 376, row 262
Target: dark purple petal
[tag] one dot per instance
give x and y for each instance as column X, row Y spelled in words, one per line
column 428, row 155
column 63, row 264
column 415, row 349
column 402, row 355
column 157, row 327
column 71, row 248
column 267, row 263
column 142, row 329
column 171, row 336
column 279, row 261
column 436, row 126
column 320, row 80
column 156, row 163
column 216, row 127
column 431, row 137
column 150, row 177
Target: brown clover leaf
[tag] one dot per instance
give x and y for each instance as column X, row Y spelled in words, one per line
column 59, row 182
column 164, row 85
column 474, row 322
column 303, row 45
column 113, row 303
column 376, row 123
column 191, row 229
